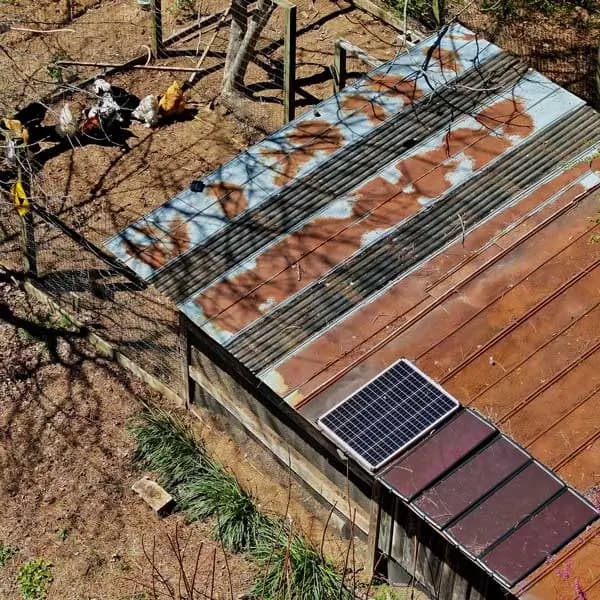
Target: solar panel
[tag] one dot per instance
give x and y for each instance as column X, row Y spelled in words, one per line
column 387, row 414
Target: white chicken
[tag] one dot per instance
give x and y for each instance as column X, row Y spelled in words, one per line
column 101, row 86
column 67, row 125
column 147, row 111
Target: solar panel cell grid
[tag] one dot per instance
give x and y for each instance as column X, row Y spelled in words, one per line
column 388, row 414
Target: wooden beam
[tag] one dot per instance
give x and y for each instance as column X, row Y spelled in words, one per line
column 156, row 32
column 385, row 15
column 339, row 66
column 185, row 349
column 117, row 65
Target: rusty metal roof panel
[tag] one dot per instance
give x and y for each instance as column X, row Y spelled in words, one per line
column 475, row 478
column 531, row 544
column 439, row 210
column 253, row 176
column 432, row 458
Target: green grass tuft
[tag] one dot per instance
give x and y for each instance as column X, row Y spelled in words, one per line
column 168, row 446
column 239, row 522
column 295, row 570
column 34, row 577
column 6, row 553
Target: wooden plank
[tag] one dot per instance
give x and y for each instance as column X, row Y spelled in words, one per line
column 373, row 539
column 284, row 452
column 339, row 66
column 184, row 344
column 383, row 14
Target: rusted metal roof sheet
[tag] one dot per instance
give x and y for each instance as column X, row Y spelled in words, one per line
column 440, row 210
column 489, row 497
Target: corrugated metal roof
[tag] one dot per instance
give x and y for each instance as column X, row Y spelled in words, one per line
column 440, row 210
column 488, row 497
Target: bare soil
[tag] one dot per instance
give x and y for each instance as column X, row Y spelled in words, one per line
column 66, row 467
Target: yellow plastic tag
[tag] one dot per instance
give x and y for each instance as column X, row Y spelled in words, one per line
column 19, row 198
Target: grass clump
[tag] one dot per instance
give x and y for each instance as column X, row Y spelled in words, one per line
column 386, row 592
column 33, row 578
column 169, row 447
column 6, row 553
column 239, row 522
column 293, row 568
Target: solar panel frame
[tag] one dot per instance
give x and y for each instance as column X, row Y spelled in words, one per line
column 425, row 427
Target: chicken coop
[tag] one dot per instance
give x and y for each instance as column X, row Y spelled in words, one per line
column 396, row 293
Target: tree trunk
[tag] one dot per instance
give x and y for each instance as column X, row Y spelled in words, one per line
column 243, row 37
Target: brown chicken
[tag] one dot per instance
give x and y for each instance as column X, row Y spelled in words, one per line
column 172, row 103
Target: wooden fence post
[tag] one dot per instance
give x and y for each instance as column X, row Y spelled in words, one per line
column 289, row 62
column 156, row 43
column 28, row 249
column 373, row 536
column 339, row 66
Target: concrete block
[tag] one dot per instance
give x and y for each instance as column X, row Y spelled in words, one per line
column 158, row 498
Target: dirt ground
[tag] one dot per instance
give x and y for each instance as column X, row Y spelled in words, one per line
column 66, row 471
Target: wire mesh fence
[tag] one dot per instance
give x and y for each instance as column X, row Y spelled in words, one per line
column 562, row 45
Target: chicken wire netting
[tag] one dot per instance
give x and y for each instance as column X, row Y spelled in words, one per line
column 134, row 319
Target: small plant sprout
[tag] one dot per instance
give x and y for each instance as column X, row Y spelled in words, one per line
column 33, row 578
column 63, row 533
column 6, row 553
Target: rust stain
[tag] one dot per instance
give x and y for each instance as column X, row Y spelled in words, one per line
column 312, row 137
column 362, row 104
column 447, row 59
column 159, row 252
column 395, row 86
column 320, row 245
column 230, row 196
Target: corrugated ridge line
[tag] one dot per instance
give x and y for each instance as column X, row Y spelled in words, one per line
column 285, row 210
column 386, row 67
column 492, row 166
column 332, row 296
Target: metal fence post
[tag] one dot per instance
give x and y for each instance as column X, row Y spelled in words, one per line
column 156, row 41
column 289, row 62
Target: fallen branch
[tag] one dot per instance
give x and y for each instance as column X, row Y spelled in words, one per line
column 42, row 30
column 208, row 46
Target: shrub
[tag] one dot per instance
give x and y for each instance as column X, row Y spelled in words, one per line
column 294, row 569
